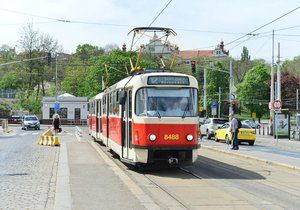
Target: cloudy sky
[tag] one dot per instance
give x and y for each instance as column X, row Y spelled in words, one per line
column 200, row 24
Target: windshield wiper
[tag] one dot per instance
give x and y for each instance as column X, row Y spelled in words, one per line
column 159, row 116
column 185, row 110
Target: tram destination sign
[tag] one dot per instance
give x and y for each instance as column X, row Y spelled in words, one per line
column 168, row 80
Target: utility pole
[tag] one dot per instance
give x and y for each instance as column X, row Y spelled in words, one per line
column 55, row 81
column 230, row 86
column 297, row 99
column 278, row 74
column 219, row 103
column 204, row 90
column 272, row 74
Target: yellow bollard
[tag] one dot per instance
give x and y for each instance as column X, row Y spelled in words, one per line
column 45, row 140
column 50, row 140
column 55, row 141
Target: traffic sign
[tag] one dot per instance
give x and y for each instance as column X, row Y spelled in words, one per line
column 213, row 104
column 233, row 96
column 57, row 106
column 277, row 104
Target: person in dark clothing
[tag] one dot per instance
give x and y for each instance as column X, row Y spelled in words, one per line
column 56, row 123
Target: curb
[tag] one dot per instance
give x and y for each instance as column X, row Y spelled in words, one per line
column 252, row 158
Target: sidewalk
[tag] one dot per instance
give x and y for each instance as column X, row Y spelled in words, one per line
column 284, row 152
column 86, row 181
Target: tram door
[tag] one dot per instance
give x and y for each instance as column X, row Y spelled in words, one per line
column 127, row 126
column 99, row 119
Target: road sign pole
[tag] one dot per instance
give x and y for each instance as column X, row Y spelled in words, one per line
column 204, row 90
column 230, row 86
column 219, row 103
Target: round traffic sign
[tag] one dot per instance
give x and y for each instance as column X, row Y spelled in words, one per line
column 277, row 104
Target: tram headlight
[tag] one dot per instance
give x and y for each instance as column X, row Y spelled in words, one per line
column 189, row 137
column 152, row 137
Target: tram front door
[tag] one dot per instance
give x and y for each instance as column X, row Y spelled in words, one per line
column 127, row 126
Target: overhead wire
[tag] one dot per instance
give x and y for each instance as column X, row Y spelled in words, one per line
column 270, row 22
column 152, row 21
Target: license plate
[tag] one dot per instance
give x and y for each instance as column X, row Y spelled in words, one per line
column 244, row 132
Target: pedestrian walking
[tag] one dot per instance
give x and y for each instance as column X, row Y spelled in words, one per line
column 234, row 131
column 56, row 123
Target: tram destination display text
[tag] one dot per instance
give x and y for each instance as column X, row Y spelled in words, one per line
column 168, row 80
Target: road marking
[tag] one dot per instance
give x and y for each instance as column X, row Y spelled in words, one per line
column 23, row 134
column 144, row 199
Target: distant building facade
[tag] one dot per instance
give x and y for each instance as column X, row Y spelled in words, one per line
column 157, row 47
column 72, row 108
column 219, row 52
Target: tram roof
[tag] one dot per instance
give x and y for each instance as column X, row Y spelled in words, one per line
column 140, row 79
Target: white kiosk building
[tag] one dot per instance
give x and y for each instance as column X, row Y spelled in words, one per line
column 72, row 109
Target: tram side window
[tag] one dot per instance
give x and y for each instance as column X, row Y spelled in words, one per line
column 110, row 103
column 103, row 105
column 116, row 110
column 141, row 102
column 130, row 104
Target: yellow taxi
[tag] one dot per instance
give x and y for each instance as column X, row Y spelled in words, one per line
column 246, row 134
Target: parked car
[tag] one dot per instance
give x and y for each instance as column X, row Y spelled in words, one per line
column 252, row 124
column 15, row 119
column 30, row 121
column 246, row 134
column 211, row 125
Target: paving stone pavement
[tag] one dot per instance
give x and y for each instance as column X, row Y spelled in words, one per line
column 27, row 172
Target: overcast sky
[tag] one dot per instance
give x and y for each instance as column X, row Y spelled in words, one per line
column 234, row 17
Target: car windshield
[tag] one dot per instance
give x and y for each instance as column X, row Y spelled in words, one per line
column 219, row 121
column 246, row 126
column 162, row 102
column 31, row 118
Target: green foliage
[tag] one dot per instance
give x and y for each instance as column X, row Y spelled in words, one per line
column 33, row 104
column 292, row 66
column 254, row 90
column 10, row 80
column 5, row 108
column 245, row 54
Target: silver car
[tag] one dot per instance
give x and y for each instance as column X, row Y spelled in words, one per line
column 30, row 121
column 211, row 125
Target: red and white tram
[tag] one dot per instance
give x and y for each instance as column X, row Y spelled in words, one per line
column 149, row 118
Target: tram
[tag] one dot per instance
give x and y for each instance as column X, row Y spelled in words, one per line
column 148, row 119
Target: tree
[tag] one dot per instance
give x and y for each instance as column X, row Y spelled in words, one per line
column 254, row 90
column 245, row 54
column 10, row 80
column 290, row 82
column 292, row 66
column 117, row 69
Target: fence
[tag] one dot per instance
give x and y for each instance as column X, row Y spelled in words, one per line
column 8, row 93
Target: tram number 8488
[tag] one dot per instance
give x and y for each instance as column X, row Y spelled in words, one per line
column 171, row 136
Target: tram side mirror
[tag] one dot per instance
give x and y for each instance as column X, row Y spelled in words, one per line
column 122, row 97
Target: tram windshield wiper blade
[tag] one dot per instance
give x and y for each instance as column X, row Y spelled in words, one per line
column 159, row 116
column 185, row 110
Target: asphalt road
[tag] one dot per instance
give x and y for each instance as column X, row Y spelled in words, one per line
column 27, row 171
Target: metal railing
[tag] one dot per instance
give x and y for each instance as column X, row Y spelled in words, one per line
column 78, row 132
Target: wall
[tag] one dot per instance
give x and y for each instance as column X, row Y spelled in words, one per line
column 71, row 109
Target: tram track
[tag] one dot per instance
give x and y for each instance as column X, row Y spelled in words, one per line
column 135, row 175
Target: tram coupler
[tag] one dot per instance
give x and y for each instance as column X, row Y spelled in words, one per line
column 173, row 161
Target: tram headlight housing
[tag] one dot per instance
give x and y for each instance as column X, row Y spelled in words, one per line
column 189, row 137
column 152, row 137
